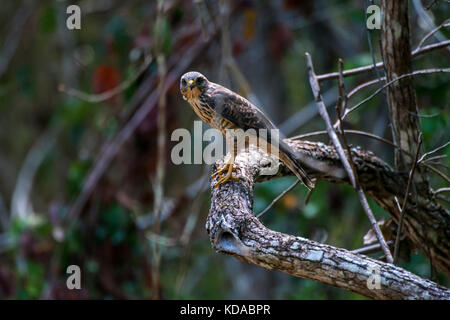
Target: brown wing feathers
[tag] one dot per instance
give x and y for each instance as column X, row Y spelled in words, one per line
column 244, row 115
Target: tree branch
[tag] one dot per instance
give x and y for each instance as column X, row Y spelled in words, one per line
column 359, row 70
column 402, row 209
column 415, row 73
column 234, row 230
column 401, row 96
column 347, row 163
column 429, row 34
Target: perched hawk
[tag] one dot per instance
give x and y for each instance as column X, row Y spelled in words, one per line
column 223, row 109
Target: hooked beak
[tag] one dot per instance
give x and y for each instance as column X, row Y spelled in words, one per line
column 191, row 84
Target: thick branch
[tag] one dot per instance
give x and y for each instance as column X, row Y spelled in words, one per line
column 401, row 95
column 234, row 230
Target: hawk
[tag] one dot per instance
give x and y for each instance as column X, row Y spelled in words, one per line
column 223, row 109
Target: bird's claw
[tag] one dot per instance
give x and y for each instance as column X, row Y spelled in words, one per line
column 223, row 169
column 229, row 168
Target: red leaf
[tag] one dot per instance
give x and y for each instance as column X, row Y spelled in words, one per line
column 105, row 78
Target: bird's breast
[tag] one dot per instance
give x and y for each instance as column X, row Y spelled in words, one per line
column 210, row 117
column 203, row 111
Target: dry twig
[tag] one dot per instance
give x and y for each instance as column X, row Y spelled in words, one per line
column 281, row 195
column 347, row 166
column 95, row 98
column 405, row 199
column 359, row 70
column 417, row 72
column 429, row 34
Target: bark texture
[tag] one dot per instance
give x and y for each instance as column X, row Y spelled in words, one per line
column 234, row 230
column 401, row 95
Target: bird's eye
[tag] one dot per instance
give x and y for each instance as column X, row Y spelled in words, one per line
column 183, row 82
column 199, row 80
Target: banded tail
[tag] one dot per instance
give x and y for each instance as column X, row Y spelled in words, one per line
column 289, row 159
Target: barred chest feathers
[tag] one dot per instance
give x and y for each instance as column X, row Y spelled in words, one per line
column 202, row 110
column 209, row 116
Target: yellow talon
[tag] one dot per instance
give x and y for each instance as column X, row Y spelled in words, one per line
column 223, row 169
column 229, row 168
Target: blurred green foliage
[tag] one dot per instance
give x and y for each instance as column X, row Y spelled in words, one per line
column 112, row 239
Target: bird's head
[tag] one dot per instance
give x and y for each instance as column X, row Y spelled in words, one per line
column 193, row 84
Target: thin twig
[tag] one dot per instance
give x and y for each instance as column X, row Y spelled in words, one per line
column 225, row 44
column 191, row 192
column 430, row 47
column 417, row 72
column 158, row 189
column 359, row 70
column 357, row 185
column 95, row 98
column 437, row 163
column 432, row 268
column 439, row 173
column 334, row 138
column 443, row 198
column 442, row 156
column 158, row 186
column 373, row 248
column 324, row 114
column 427, row 19
column 347, row 131
column 204, row 17
column 422, row 158
column 342, row 95
column 310, row 192
column 429, row 34
column 21, row 204
column 341, row 126
column 431, row 4
column 425, row 115
column 402, row 210
column 229, row 63
column 195, row 209
column 364, row 85
column 306, row 113
column 281, row 195
column 442, row 190
column 348, row 73
column 160, row 240
column 397, row 203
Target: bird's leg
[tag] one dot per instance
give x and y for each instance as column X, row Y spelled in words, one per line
column 229, row 168
column 233, row 146
column 226, row 167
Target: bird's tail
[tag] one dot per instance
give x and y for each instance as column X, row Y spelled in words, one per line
column 288, row 157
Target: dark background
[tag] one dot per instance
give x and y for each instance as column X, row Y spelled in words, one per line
column 52, row 138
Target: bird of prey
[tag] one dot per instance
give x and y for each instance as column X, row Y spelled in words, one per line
column 223, row 109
